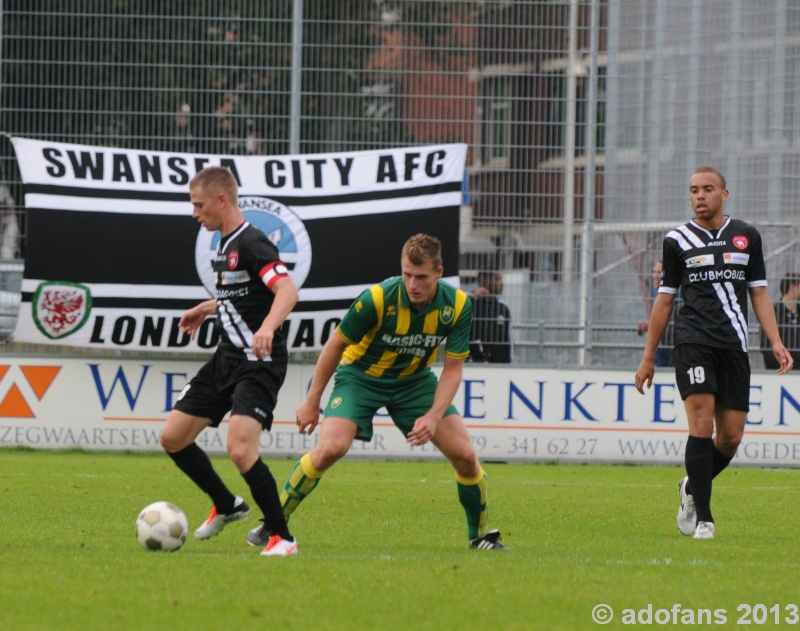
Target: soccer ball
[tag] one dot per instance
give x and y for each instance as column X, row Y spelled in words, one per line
column 162, row 526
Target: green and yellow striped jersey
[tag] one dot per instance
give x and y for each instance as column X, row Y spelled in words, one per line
column 389, row 339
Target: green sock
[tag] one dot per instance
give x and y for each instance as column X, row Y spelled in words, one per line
column 301, row 481
column 472, row 495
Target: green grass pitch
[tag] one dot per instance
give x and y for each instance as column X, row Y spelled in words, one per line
column 383, row 546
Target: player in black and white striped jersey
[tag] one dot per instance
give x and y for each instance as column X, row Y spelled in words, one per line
column 716, row 262
column 254, row 296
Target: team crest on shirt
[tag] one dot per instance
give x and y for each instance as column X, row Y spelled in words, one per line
column 740, row 242
column 233, row 259
column 281, row 225
column 446, row 315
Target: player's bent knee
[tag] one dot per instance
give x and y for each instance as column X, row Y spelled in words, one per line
column 170, row 442
column 466, row 464
column 729, row 444
column 243, row 456
column 324, row 456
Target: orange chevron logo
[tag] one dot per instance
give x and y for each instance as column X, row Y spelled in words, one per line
column 39, row 378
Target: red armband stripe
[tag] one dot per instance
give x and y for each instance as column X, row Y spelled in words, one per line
column 273, row 272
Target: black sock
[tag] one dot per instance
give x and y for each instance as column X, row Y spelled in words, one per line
column 265, row 493
column 194, row 462
column 699, row 467
column 720, row 462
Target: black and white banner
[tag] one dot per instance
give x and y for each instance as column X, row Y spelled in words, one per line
column 114, row 258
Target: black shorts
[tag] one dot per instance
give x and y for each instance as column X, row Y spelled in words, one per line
column 723, row 372
column 229, row 384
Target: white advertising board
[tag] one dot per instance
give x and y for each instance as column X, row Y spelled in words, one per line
column 513, row 414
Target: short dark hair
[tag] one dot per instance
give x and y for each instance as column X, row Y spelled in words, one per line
column 792, row 278
column 486, row 274
column 713, row 171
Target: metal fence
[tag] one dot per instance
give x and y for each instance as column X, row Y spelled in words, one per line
column 584, row 119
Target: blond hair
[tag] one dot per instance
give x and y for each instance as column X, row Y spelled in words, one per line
column 421, row 248
column 217, row 180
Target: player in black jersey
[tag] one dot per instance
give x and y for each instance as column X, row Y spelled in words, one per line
column 716, row 262
column 254, row 296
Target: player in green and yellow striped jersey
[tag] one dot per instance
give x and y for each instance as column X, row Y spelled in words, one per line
column 381, row 356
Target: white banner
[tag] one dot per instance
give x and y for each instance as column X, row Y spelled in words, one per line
column 522, row 415
column 114, row 258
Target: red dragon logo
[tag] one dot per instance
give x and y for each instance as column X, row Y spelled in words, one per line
column 740, row 242
column 61, row 308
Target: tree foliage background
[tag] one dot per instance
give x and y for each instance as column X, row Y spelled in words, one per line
column 215, row 77
column 200, row 76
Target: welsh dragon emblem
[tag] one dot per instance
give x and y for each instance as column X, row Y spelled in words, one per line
column 60, row 309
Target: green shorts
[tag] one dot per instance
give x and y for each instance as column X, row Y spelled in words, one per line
column 358, row 399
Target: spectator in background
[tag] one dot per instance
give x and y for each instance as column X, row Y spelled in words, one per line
column 183, row 129
column 663, row 356
column 788, row 324
column 491, row 339
column 9, row 227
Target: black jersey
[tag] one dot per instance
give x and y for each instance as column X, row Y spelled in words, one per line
column 713, row 272
column 491, row 337
column 247, row 265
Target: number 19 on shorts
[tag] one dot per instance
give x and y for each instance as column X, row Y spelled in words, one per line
column 697, row 374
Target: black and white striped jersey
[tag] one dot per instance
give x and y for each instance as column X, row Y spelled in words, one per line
column 246, row 266
column 713, row 272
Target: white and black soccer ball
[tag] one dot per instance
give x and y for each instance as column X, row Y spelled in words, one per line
column 162, row 526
